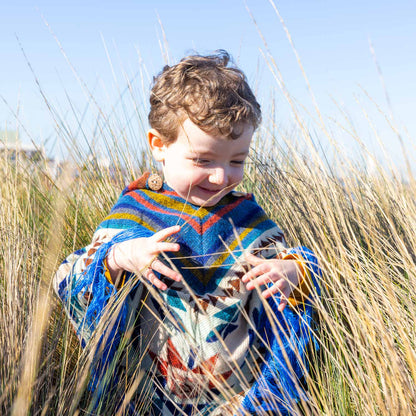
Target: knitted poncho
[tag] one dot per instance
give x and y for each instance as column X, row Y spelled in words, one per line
column 202, row 339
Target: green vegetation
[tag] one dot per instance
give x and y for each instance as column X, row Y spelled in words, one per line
column 362, row 229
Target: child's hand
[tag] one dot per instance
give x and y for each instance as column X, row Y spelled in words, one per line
column 284, row 274
column 140, row 256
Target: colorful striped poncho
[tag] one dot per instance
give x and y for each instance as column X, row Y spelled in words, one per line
column 205, row 339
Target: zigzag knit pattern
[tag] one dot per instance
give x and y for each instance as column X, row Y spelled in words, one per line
column 205, row 231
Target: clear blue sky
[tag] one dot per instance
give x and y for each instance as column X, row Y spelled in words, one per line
column 332, row 38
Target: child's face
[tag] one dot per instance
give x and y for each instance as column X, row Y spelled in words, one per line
column 200, row 167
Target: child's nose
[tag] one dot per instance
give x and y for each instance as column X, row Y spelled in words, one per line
column 218, row 176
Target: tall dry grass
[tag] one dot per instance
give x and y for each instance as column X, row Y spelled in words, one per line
column 361, row 227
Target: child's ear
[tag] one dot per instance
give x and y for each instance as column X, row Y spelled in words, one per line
column 157, row 146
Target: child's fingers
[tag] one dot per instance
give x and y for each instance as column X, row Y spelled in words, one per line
column 165, row 233
column 255, row 271
column 259, row 281
column 253, row 260
column 277, row 288
column 159, row 247
column 282, row 305
column 284, row 297
column 151, row 277
column 160, row 267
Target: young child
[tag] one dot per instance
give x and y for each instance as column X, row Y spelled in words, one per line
column 215, row 304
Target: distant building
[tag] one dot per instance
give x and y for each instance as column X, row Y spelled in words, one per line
column 14, row 150
column 12, row 147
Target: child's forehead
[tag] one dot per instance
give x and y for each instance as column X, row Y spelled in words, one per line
column 191, row 135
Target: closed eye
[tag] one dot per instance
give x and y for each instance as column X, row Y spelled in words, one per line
column 238, row 162
column 199, row 161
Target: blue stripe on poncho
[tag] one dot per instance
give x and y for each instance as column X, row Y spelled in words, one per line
column 289, row 332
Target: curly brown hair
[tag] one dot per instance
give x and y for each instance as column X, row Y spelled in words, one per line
column 209, row 90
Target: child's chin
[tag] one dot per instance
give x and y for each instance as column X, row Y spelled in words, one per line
column 204, row 202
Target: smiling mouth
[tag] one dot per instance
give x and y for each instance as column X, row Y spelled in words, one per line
column 210, row 191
